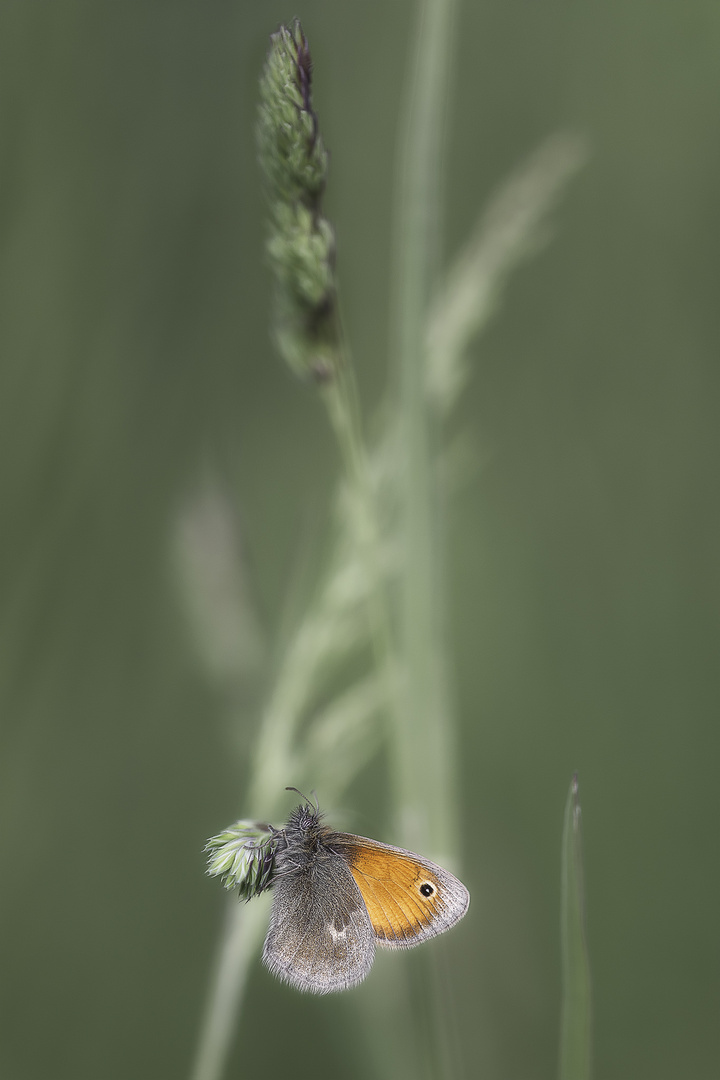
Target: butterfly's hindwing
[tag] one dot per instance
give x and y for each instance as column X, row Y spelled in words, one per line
column 320, row 938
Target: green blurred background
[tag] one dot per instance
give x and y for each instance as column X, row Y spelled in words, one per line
column 135, row 358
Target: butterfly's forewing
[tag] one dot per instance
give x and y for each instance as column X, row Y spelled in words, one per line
column 408, row 898
column 320, row 938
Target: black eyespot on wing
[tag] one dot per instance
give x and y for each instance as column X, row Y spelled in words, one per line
column 426, row 889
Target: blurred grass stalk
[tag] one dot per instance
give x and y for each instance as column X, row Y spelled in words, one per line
column 423, row 750
column 575, row 1021
column 387, row 535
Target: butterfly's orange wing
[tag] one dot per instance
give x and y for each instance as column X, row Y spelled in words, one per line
column 408, row 898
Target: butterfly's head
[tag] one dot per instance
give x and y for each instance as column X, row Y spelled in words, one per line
column 305, row 819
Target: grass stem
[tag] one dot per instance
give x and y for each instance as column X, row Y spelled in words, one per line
column 423, row 743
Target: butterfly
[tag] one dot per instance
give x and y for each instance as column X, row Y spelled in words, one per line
column 336, row 896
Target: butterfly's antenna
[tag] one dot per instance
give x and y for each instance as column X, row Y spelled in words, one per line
column 308, row 801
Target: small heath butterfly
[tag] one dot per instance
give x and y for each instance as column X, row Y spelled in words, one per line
column 337, row 896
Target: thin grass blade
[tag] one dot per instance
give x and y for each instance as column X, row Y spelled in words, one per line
column 576, row 1011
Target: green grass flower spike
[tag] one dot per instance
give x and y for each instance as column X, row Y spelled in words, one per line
column 301, row 242
column 243, row 856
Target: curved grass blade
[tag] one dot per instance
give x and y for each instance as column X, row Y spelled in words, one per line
column 575, row 1021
